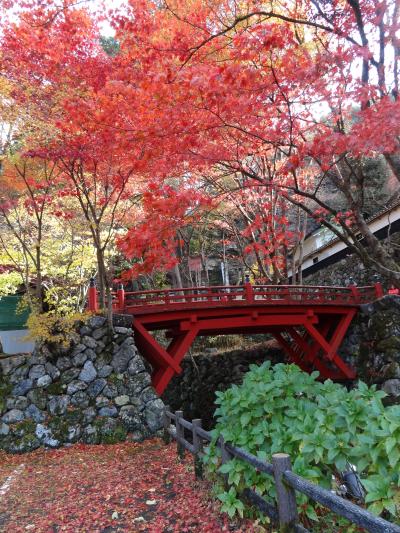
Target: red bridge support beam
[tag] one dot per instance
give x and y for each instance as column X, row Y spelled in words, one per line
column 310, row 335
column 177, row 349
column 165, row 362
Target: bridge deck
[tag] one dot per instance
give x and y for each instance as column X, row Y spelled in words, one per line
column 309, row 322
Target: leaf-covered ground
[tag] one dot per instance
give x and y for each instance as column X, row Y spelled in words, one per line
column 127, row 487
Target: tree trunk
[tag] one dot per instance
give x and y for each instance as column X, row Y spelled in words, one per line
column 176, row 277
column 393, row 160
column 39, row 292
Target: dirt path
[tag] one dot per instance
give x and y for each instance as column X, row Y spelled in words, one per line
column 128, row 487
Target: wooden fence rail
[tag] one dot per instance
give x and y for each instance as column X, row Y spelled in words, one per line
column 286, row 482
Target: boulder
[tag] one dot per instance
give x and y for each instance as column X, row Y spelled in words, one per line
column 33, row 412
column 79, row 359
column 76, row 386
column 4, row 429
column 57, row 405
column 89, row 341
column 63, row 363
column 97, row 321
column 69, row 375
column 153, row 415
column 110, row 390
column 44, row 381
column 88, row 373
column 136, row 366
column 13, row 416
column 99, row 333
column 108, row 411
column 80, row 399
column 37, row 371
column 96, row 387
column 121, row 400
column 52, row 371
column 22, row 387
column 121, row 359
column 130, row 418
column 20, row 402
column 105, row 371
column 8, row 364
column 38, row 397
column 392, row 387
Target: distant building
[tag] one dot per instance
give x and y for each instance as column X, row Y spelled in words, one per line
column 13, row 330
column 322, row 248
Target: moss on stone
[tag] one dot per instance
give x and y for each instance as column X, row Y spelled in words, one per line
column 114, row 378
column 5, row 387
column 59, row 427
column 391, row 344
column 22, row 437
column 73, row 416
column 109, row 431
column 55, row 388
column 5, row 392
column 38, row 397
column 118, row 434
column 25, row 426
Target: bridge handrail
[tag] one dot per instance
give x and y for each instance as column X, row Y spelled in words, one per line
column 246, row 293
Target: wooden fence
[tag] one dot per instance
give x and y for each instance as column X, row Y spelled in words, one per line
column 284, row 513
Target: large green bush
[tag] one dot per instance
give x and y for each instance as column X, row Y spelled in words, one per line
column 321, row 425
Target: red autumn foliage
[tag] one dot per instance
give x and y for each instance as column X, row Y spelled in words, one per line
column 210, row 88
column 123, row 487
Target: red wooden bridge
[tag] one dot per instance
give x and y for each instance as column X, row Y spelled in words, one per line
column 308, row 322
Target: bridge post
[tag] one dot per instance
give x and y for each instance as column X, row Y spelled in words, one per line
column 354, row 291
column 121, row 297
column 92, row 296
column 378, row 290
column 249, row 292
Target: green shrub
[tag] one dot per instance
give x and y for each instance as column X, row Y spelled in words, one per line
column 322, row 426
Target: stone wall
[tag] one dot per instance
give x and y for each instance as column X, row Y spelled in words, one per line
column 372, row 345
column 203, row 375
column 342, row 273
column 351, row 268
column 96, row 391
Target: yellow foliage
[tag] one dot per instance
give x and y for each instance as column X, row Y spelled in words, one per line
column 51, row 328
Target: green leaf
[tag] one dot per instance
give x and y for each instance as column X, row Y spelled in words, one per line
column 311, row 514
column 245, row 419
column 226, row 468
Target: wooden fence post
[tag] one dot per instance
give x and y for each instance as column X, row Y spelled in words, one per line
column 285, row 495
column 226, row 456
column 166, row 423
column 179, row 435
column 198, row 449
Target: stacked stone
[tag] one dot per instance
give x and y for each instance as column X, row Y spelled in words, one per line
column 375, row 340
column 193, row 391
column 97, row 391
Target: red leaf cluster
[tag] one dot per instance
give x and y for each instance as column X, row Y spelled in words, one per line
column 125, row 487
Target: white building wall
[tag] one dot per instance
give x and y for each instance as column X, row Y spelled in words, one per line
column 15, row 341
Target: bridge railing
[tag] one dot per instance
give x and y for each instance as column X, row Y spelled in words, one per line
column 240, row 294
column 275, row 294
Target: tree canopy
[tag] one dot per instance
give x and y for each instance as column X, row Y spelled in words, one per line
column 258, row 116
